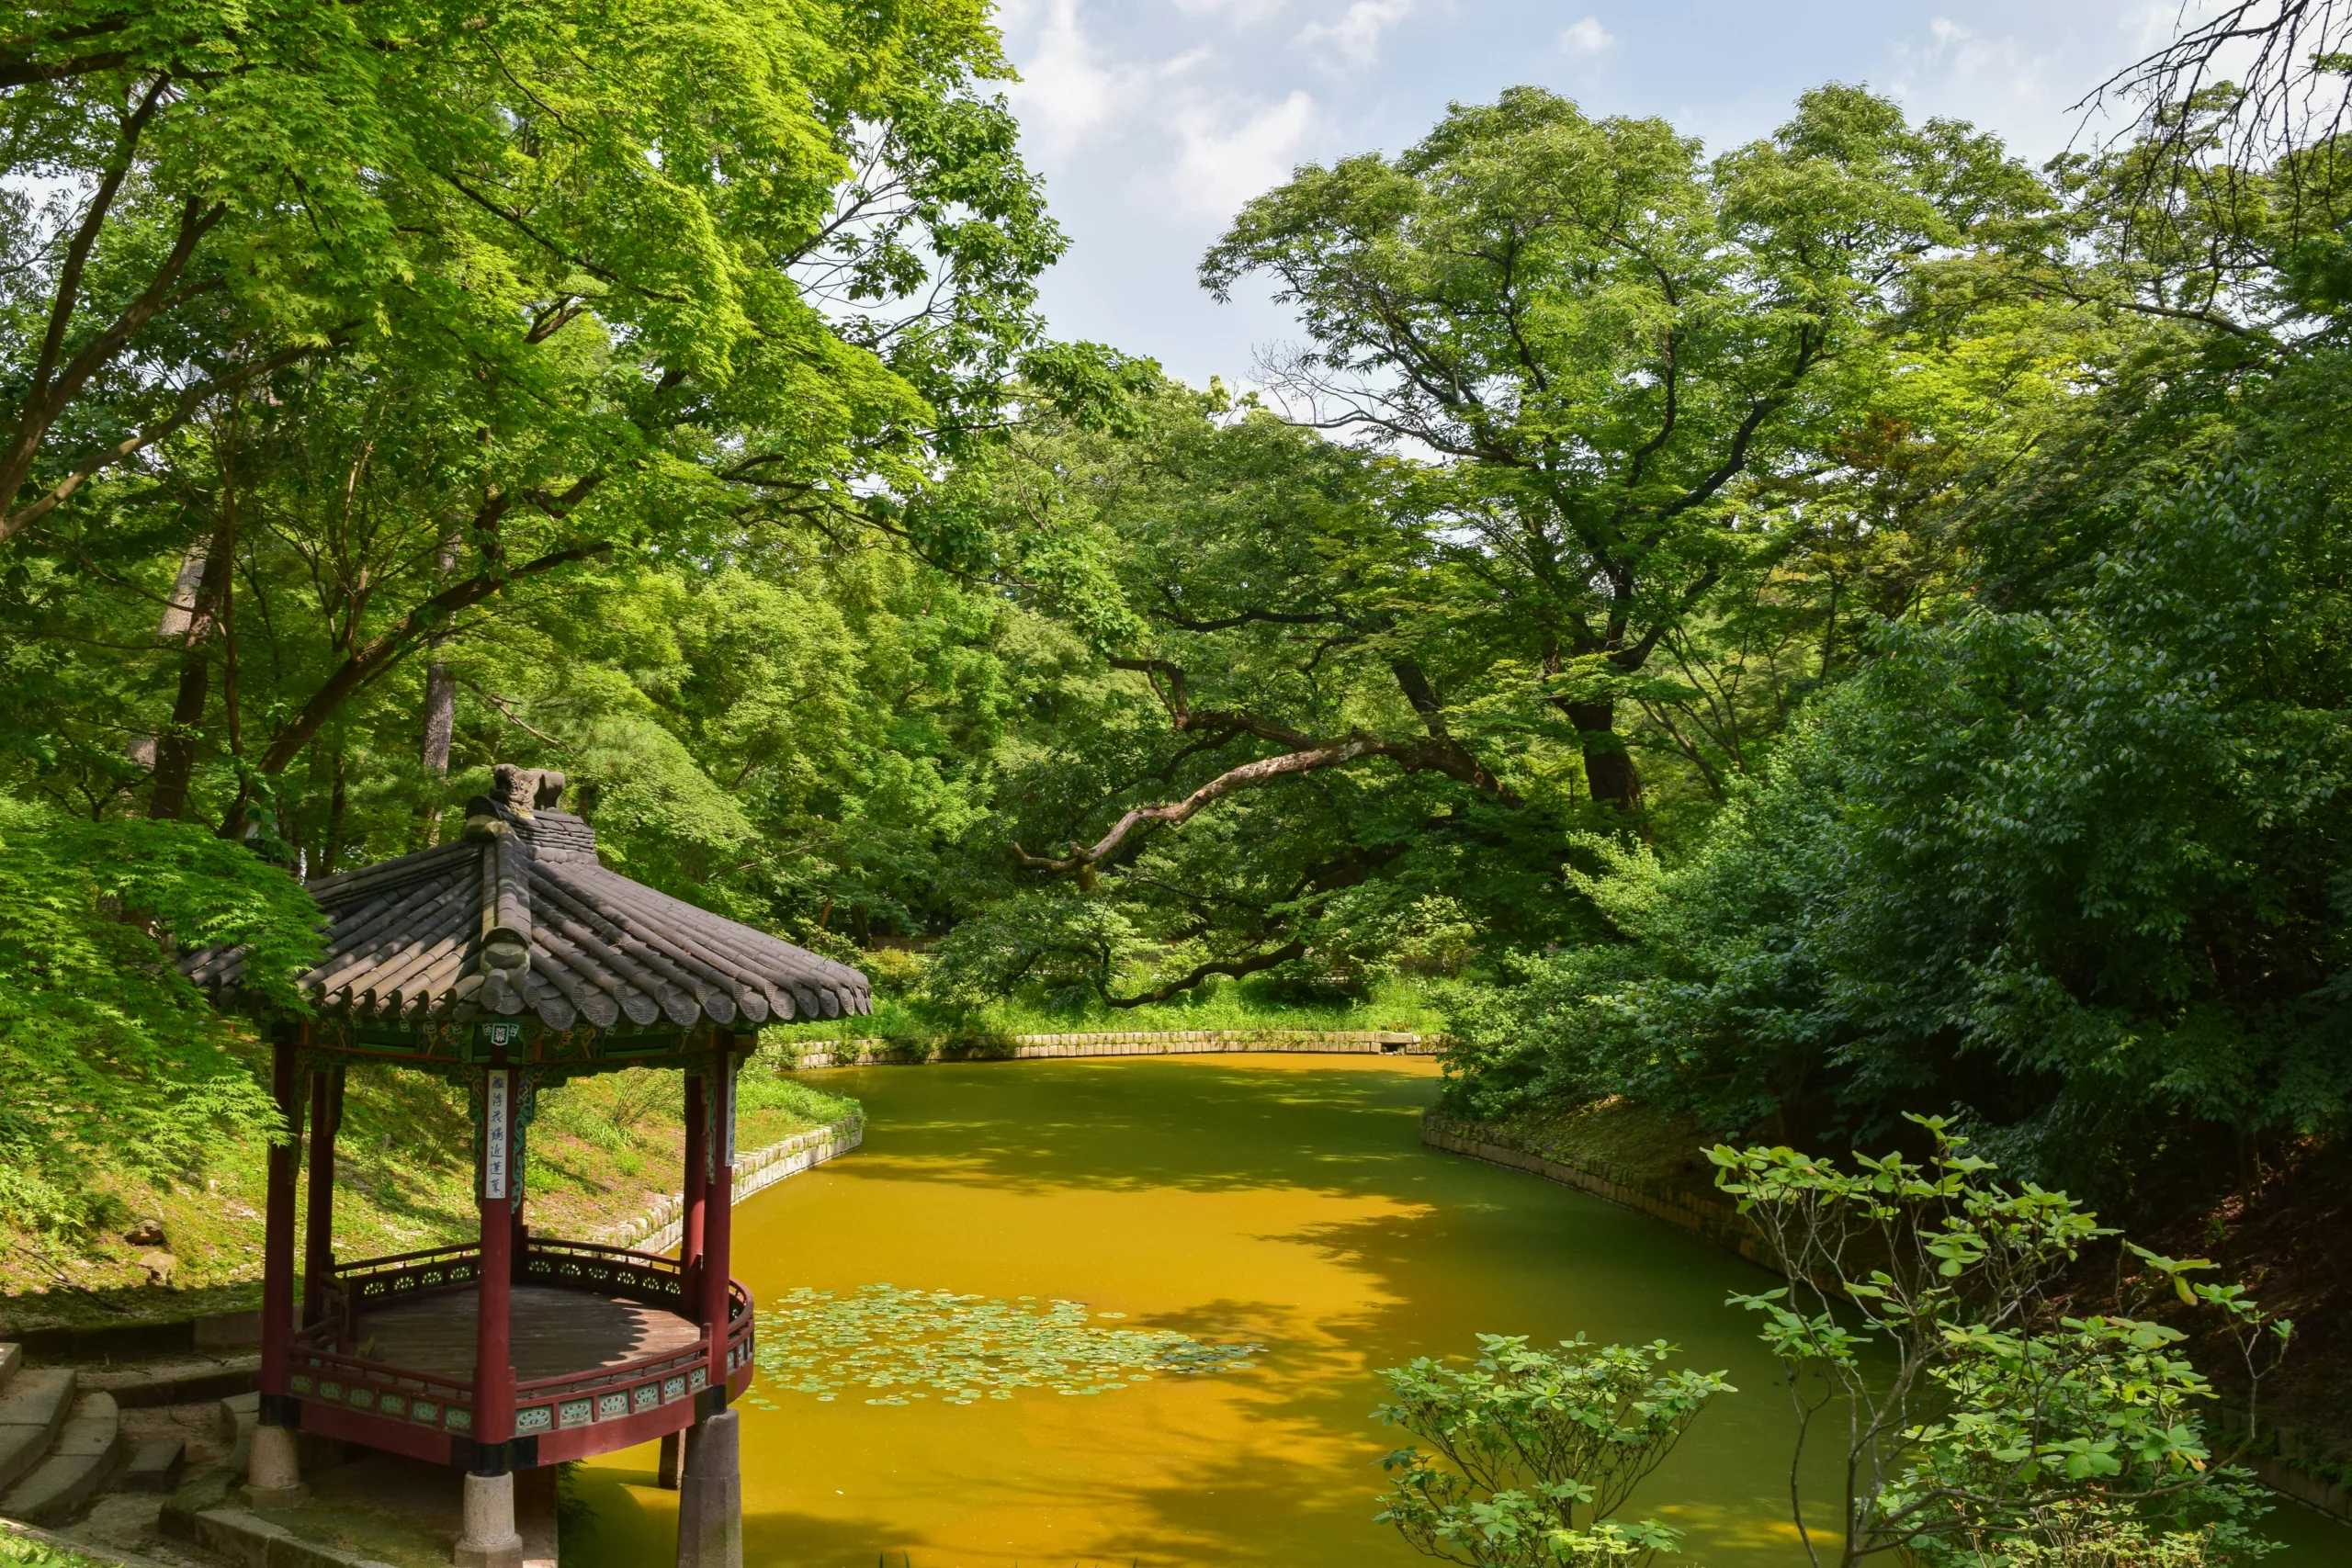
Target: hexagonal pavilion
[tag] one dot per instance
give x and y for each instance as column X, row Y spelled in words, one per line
column 511, row 960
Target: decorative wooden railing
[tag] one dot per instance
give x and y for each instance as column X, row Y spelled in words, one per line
column 645, row 1277
column 329, row 1362
column 373, row 1388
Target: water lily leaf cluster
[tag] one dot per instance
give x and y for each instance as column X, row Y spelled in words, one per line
column 898, row 1346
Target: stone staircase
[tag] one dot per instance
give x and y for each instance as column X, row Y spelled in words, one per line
column 60, row 1443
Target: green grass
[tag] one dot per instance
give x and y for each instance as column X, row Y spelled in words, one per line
column 600, row 1149
column 1402, row 1005
column 31, row 1553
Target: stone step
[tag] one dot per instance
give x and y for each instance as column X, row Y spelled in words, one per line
column 78, row 1464
column 32, row 1410
column 186, row 1380
column 235, row 1417
column 154, row 1466
column 236, row 1535
column 12, row 1361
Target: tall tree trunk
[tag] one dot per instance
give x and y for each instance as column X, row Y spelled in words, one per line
column 338, row 800
column 1607, row 766
column 176, row 750
column 440, row 719
column 178, row 616
column 440, row 710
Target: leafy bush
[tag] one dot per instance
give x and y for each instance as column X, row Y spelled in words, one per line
column 25, row 1552
column 2078, row 871
column 108, row 1048
column 1055, row 940
column 1539, row 1448
column 1921, row 1326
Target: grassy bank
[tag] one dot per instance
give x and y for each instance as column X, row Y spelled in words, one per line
column 1401, row 1005
column 600, row 1149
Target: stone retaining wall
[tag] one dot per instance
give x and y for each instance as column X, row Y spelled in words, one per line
column 659, row 1228
column 813, row 1054
column 1702, row 1211
column 2272, row 1457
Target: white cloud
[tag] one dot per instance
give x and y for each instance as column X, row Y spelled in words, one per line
column 1354, row 38
column 1066, row 88
column 1961, row 66
column 1190, row 144
column 1239, row 13
column 1233, row 151
column 1586, row 38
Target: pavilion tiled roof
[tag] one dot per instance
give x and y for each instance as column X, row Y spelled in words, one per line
column 519, row 916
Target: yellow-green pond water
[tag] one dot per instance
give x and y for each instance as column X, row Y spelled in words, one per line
column 1278, row 1201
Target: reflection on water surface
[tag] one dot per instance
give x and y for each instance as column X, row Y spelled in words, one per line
column 1276, row 1201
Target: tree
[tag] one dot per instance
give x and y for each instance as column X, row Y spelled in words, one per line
column 600, row 281
column 1539, row 1448
column 708, row 182
column 1294, row 748
column 2075, row 870
column 111, row 1052
column 1599, row 338
column 1922, row 1323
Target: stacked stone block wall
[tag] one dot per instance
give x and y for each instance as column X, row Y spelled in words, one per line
column 811, row 1054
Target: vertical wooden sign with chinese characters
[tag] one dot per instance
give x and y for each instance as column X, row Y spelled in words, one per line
column 493, row 1416
column 497, row 1131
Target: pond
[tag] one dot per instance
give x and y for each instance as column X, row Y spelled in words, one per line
column 1276, row 1202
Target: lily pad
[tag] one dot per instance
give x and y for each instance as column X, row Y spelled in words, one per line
column 894, row 1344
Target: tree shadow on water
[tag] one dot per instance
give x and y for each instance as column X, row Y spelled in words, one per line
column 1035, row 1126
column 1425, row 1251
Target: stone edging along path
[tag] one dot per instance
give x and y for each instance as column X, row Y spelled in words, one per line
column 817, row 1053
column 659, row 1227
column 1705, row 1214
column 1702, row 1211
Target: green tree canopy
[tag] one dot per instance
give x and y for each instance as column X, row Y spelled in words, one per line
column 1601, row 336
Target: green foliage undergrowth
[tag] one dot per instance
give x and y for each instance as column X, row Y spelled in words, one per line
column 1539, row 1448
column 112, row 1058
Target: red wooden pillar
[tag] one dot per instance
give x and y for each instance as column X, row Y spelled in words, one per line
column 318, row 1244
column 697, row 1187
column 710, row 1483
column 718, row 1220
column 693, row 1189
column 277, row 1406
column 493, row 1420
column 274, row 1467
column 518, row 1193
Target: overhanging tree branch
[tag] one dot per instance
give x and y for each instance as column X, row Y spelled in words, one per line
column 386, row 648
column 184, row 410
column 1235, row 967
column 1301, row 753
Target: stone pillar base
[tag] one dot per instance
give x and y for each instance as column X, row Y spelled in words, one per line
column 489, row 1538
column 711, row 1496
column 274, row 1472
column 666, row 1477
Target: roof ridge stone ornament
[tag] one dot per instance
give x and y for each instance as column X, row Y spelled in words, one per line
column 519, row 918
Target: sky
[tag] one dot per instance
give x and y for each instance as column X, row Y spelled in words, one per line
column 1153, row 120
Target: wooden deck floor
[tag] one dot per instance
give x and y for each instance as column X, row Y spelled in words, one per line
column 555, row 1333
